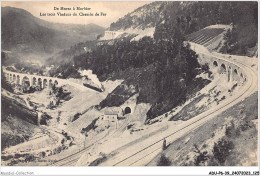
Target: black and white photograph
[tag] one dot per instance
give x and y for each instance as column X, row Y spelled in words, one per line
column 129, row 83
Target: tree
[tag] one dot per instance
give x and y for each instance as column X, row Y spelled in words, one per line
column 222, row 150
column 163, row 161
column 201, row 157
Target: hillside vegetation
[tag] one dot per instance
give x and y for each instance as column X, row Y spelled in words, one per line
column 190, row 17
column 160, row 69
column 194, row 16
column 230, row 139
column 26, row 34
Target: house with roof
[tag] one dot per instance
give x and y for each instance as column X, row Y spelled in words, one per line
column 110, row 115
column 115, row 113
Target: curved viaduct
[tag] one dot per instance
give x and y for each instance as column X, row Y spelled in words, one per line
column 142, row 152
column 233, row 71
column 41, row 81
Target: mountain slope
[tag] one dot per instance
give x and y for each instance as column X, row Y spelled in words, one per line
column 194, row 16
column 23, row 32
column 164, row 56
column 143, row 17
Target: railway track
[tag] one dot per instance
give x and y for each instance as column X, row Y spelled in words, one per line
column 72, row 159
column 130, row 157
column 144, row 156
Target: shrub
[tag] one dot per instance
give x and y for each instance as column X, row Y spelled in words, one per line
column 202, row 156
column 29, row 158
column 99, row 160
column 230, row 129
column 91, row 126
column 163, row 161
column 42, row 154
column 205, row 67
column 76, row 116
column 246, row 125
column 222, row 149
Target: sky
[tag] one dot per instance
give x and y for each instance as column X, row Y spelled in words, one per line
column 113, row 10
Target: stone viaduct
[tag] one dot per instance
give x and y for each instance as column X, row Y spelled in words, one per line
column 233, row 72
column 41, row 81
column 223, row 65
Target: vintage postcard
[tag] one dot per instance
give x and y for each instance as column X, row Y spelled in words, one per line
column 129, row 83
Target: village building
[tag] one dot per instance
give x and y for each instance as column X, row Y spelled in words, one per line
column 110, row 115
column 115, row 114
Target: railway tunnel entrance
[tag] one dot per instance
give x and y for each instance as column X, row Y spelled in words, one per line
column 127, row 110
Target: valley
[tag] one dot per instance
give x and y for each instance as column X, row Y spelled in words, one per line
column 157, row 88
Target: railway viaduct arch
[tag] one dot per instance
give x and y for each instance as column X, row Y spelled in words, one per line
column 233, row 72
column 42, row 81
column 31, row 80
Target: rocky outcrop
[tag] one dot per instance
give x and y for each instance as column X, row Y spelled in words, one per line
column 11, row 106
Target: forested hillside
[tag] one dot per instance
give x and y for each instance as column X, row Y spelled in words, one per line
column 194, row 16
column 191, row 17
column 166, row 60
